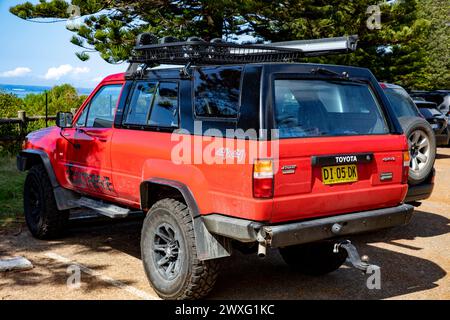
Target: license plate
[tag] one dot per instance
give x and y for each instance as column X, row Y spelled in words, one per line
column 339, row 174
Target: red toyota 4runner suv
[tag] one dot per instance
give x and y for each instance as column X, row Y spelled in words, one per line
column 224, row 155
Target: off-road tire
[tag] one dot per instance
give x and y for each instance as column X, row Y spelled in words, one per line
column 195, row 278
column 410, row 126
column 42, row 216
column 313, row 259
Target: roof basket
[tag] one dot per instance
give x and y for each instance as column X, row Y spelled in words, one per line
column 196, row 51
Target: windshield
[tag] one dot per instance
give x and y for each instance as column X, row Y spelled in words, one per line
column 429, row 112
column 401, row 102
column 311, row 108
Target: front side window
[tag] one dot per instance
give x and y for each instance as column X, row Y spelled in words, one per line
column 312, row 108
column 81, row 122
column 99, row 113
column 217, row 91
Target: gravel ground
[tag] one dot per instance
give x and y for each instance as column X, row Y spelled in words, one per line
column 414, row 262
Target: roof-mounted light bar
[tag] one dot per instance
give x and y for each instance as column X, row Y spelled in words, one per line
column 338, row 44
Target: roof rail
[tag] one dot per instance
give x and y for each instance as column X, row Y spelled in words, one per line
column 196, row 51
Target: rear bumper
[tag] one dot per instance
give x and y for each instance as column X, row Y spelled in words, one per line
column 422, row 191
column 308, row 231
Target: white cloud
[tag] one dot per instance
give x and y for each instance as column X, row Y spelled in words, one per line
column 56, row 73
column 17, row 72
column 79, row 70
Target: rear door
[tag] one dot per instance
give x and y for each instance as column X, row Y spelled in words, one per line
column 336, row 153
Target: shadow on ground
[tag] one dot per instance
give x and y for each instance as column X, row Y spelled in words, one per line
column 442, row 156
column 248, row 277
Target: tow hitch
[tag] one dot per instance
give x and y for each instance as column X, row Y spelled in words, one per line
column 360, row 263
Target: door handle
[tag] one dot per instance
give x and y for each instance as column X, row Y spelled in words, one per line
column 98, row 138
column 95, row 136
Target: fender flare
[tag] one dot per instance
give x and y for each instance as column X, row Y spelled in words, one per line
column 209, row 246
column 27, row 159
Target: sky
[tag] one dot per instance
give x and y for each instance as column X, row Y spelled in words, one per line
column 42, row 55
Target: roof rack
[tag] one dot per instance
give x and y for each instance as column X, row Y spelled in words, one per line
column 196, row 51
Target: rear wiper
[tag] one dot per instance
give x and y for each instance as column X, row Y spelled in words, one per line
column 340, row 76
column 326, row 72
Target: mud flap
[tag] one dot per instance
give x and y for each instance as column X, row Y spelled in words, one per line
column 210, row 246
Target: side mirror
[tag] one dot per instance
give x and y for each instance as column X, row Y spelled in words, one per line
column 64, row 120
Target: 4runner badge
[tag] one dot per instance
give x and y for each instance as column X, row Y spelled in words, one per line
column 290, row 169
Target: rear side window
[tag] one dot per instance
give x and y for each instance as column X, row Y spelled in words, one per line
column 165, row 106
column 401, row 102
column 154, row 104
column 217, row 91
column 312, row 108
column 140, row 104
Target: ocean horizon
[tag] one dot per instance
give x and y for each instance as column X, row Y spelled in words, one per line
column 22, row 91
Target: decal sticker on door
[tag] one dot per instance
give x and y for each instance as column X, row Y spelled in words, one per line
column 91, row 181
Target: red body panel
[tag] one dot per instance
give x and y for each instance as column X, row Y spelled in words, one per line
column 112, row 163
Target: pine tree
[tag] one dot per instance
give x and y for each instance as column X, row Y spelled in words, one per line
column 435, row 74
column 111, row 26
column 395, row 52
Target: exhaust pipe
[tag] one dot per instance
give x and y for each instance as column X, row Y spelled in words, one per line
column 262, row 243
column 261, row 250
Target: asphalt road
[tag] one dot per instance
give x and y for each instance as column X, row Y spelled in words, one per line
column 414, row 262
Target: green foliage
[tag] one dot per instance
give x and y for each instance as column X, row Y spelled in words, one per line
column 9, row 105
column 11, row 185
column 60, row 98
column 436, row 43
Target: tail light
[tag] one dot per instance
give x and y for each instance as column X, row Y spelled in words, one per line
column 405, row 172
column 263, row 179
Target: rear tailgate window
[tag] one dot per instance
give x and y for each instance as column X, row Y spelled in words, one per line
column 315, row 108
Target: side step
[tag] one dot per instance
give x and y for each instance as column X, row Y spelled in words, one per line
column 106, row 209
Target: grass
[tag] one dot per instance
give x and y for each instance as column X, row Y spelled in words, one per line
column 11, row 188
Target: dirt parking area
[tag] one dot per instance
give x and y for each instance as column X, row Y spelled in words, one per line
column 414, row 262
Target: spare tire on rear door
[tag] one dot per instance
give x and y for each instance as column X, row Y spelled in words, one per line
column 422, row 147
